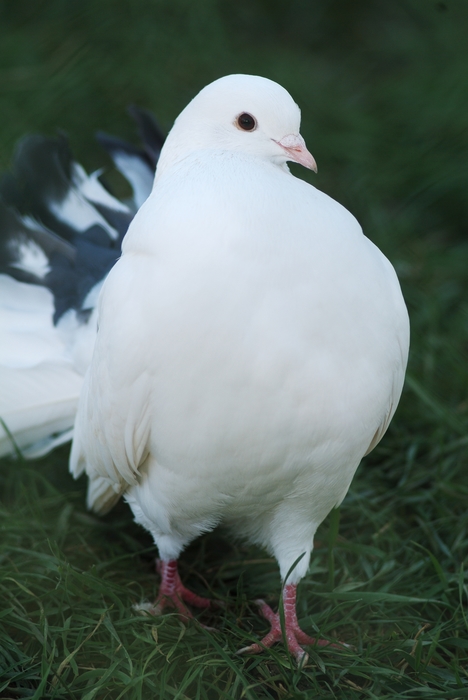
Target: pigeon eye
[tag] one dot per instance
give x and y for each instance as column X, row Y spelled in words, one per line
column 246, row 122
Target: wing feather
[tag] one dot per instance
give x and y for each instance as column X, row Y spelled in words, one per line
column 113, row 423
column 397, row 387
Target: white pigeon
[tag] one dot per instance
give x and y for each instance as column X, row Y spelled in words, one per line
column 251, row 349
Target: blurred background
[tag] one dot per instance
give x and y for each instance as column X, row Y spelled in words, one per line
column 383, row 88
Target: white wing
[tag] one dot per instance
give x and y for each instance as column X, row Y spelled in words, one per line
column 113, row 422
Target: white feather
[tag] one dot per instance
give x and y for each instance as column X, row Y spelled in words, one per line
column 80, row 214
column 27, row 333
column 91, row 189
column 31, row 258
column 139, row 175
column 38, row 405
column 41, row 367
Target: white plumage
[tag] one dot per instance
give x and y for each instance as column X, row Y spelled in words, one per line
column 41, row 368
column 252, row 342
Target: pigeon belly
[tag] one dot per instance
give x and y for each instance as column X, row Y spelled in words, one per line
column 251, row 414
column 262, row 367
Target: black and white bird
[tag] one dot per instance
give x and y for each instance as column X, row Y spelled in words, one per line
column 60, row 234
column 251, row 346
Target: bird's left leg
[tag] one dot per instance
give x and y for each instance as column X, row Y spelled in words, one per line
column 293, row 634
column 172, row 592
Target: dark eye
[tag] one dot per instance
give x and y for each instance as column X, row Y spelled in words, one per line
column 246, row 122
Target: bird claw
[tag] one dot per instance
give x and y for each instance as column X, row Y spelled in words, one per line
column 172, row 593
column 293, row 635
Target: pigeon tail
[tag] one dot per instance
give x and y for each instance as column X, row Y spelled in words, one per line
column 60, row 234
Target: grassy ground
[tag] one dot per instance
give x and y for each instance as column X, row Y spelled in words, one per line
column 384, row 97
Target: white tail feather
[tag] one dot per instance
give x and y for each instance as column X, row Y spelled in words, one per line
column 38, row 406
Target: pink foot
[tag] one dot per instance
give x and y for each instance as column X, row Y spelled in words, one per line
column 172, row 592
column 293, row 633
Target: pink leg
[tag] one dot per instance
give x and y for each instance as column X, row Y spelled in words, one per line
column 293, row 633
column 172, row 592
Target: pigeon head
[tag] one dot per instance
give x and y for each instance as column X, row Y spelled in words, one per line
column 239, row 113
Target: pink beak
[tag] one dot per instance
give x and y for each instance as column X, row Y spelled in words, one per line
column 295, row 147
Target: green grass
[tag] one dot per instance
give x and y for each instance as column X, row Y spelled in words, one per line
column 384, row 97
